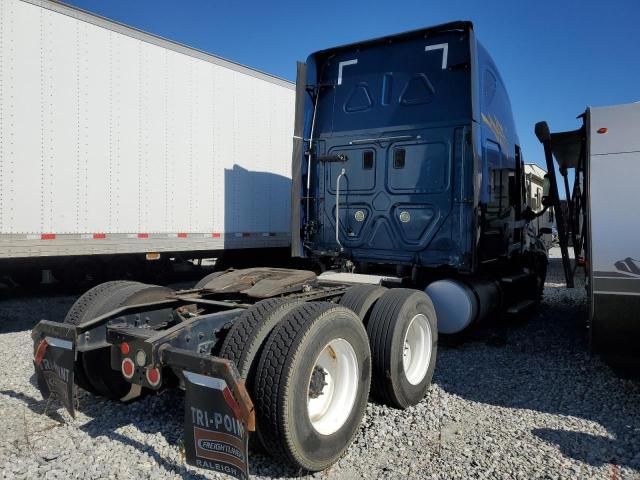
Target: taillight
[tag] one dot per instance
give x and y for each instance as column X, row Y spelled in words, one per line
column 153, row 376
column 40, row 351
column 124, row 348
column 128, row 368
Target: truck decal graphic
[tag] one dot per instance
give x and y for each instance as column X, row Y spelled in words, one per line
column 496, row 128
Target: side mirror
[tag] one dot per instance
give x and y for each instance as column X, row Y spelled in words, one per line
column 542, row 132
column 546, row 189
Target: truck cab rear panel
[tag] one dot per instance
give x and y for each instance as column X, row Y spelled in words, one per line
column 410, row 145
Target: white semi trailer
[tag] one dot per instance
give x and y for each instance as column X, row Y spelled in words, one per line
column 604, row 156
column 117, row 146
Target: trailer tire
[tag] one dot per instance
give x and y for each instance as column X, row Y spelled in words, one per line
column 78, row 313
column 403, row 335
column 298, row 362
column 361, row 298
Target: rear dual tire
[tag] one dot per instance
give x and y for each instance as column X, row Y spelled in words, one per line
column 93, row 370
column 246, row 338
column 78, row 313
column 206, row 279
column 361, row 299
column 312, row 385
column 404, row 340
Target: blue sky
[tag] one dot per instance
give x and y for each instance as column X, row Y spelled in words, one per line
column 556, row 57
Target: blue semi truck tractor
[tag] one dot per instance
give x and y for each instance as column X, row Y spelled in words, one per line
column 407, row 192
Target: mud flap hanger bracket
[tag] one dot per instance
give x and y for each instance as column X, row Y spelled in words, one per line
column 216, row 367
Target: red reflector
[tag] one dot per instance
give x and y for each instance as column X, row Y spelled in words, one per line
column 48, row 236
column 99, row 236
column 128, row 368
column 143, row 235
column 153, row 376
column 603, row 130
column 124, row 348
column 226, row 393
column 40, row 351
column 215, row 235
column 182, row 235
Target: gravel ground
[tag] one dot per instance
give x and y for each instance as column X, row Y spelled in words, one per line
column 525, row 402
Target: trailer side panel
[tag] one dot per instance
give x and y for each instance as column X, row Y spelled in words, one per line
column 116, row 141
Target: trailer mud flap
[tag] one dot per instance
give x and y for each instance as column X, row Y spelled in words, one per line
column 54, row 358
column 218, row 412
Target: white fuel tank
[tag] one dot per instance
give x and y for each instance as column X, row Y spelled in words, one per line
column 459, row 304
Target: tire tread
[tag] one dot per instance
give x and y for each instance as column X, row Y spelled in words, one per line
column 273, row 377
column 381, row 327
column 361, row 299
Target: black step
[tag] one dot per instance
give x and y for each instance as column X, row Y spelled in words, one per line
column 516, row 277
column 520, row 307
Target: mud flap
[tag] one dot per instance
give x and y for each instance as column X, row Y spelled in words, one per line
column 218, row 412
column 54, row 358
column 216, row 436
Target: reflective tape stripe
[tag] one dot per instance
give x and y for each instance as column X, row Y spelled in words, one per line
column 59, row 343
column 205, row 381
column 141, row 236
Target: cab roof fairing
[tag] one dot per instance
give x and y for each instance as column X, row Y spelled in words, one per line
column 495, row 118
column 317, row 58
column 316, row 61
column 461, row 25
column 505, row 111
